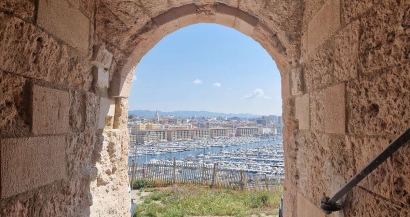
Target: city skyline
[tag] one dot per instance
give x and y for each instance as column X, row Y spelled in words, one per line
column 207, row 67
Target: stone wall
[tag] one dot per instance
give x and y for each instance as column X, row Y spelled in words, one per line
column 66, row 68
column 351, row 94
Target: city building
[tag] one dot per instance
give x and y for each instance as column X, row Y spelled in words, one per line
column 200, row 133
column 246, row 131
column 218, row 132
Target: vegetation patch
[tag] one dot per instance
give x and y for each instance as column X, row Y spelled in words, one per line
column 182, row 201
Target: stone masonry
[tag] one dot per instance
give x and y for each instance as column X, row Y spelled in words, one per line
column 66, row 69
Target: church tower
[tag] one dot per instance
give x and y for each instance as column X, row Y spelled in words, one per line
column 156, row 120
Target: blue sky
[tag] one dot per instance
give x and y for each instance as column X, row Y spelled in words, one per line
column 207, row 67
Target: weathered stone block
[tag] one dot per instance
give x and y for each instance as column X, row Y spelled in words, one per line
column 382, row 38
column 302, row 111
column 66, row 22
column 206, row 13
column 21, row 8
column 297, row 81
column 225, row 15
column 245, row 23
column 401, row 175
column 49, row 61
column 289, row 198
column 317, row 111
column 188, row 20
column 187, row 15
column 157, row 7
column 167, row 22
column 121, row 84
column 92, row 111
column 101, row 77
column 107, row 112
column 101, row 57
column 351, row 9
column 318, row 68
column 324, row 24
column 77, row 111
column 346, row 53
column 335, row 109
column 285, row 85
column 121, row 113
column 379, row 105
column 50, row 111
column 120, row 23
column 28, row 163
column 363, row 203
column 14, row 101
column 306, row 209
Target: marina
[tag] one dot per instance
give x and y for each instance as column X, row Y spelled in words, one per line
column 252, row 155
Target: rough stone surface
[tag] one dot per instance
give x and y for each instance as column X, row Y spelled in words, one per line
column 317, row 109
column 53, row 16
column 383, row 39
column 106, row 113
column 20, row 8
column 302, row 111
column 307, row 209
column 49, row 60
column 50, row 111
column 318, row 68
column 324, row 24
column 285, row 85
column 28, row 163
column 366, row 149
column 297, row 81
column 121, row 114
column 361, row 202
column 111, row 181
column 401, row 187
column 14, row 98
column 335, row 109
column 102, row 57
column 379, row 104
column 346, row 53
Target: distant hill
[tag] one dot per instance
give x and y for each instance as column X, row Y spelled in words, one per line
column 189, row 114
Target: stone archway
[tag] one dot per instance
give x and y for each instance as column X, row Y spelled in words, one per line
column 136, row 39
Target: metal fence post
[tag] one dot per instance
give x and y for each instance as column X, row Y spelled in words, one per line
column 213, row 175
column 132, row 173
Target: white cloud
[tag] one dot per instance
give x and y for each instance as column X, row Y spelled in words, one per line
column 257, row 93
column 134, row 78
column 217, row 85
column 197, row 81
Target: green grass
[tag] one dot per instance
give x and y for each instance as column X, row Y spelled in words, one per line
column 199, row 201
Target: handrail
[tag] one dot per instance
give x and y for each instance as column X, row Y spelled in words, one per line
column 329, row 205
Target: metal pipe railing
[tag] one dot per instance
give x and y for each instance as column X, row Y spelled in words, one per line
column 329, row 205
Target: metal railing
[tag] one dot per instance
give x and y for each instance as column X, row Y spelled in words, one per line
column 329, row 205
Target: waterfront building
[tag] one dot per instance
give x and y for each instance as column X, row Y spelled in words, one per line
column 246, row 131
column 218, row 132
column 147, row 136
column 138, row 127
column 178, row 134
column 199, row 133
column 265, row 130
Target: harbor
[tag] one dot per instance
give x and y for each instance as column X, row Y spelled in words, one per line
column 252, row 155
